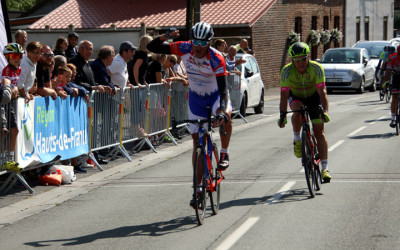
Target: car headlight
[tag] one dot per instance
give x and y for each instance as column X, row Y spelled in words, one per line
column 355, row 74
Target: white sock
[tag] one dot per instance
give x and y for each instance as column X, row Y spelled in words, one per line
column 11, row 156
column 393, row 117
column 199, row 189
column 297, row 136
column 324, row 165
column 225, row 150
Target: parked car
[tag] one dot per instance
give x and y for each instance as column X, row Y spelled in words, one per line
column 251, row 86
column 348, row 68
column 374, row 48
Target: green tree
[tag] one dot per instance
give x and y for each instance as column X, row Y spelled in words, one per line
column 21, row 4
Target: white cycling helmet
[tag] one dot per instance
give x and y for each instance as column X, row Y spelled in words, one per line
column 202, row 31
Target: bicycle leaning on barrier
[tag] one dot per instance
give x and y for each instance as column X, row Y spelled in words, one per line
column 207, row 177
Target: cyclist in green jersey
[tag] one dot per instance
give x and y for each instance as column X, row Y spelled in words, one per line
column 303, row 83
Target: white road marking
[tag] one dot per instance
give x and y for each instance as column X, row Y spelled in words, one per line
column 380, row 118
column 281, row 192
column 356, row 131
column 337, row 144
column 235, row 236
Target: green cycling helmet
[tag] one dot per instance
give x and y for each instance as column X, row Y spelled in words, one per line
column 299, row 49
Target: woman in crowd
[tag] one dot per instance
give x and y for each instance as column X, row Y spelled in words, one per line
column 137, row 68
column 61, row 46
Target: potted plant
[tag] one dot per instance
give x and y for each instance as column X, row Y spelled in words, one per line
column 314, row 37
column 336, row 35
column 325, row 37
column 293, row 38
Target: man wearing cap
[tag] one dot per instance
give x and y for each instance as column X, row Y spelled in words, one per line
column 72, row 49
column 118, row 70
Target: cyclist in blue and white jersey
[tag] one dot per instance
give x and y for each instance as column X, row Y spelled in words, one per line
column 206, row 72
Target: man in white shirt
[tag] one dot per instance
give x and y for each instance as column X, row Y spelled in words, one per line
column 118, row 70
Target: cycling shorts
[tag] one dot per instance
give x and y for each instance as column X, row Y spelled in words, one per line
column 395, row 84
column 198, row 108
column 313, row 103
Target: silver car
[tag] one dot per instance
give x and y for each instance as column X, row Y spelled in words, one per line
column 348, row 68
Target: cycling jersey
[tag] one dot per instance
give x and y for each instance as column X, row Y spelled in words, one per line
column 394, row 63
column 201, row 73
column 302, row 85
column 11, row 74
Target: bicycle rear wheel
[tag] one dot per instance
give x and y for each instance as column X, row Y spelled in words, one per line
column 308, row 164
column 199, row 197
column 317, row 170
column 387, row 94
column 214, row 196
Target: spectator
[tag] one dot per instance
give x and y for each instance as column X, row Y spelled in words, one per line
column 179, row 68
column 156, row 70
column 231, row 62
column 61, row 46
column 28, row 69
column 171, row 62
column 59, row 61
column 118, row 68
column 99, row 66
column 43, row 70
column 137, row 68
column 81, row 90
column 84, row 73
column 221, row 46
column 72, row 49
column 64, row 77
column 13, row 53
column 21, row 37
column 242, row 47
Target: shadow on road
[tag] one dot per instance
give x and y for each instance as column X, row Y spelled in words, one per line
column 153, row 229
column 375, row 136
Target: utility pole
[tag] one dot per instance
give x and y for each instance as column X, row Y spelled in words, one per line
column 193, row 15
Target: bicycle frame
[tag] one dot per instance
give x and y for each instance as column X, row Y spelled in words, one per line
column 305, row 121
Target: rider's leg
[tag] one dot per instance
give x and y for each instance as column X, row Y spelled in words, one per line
column 296, row 124
column 199, row 174
column 322, row 144
column 393, row 109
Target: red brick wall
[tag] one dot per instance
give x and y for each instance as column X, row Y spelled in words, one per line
column 270, row 32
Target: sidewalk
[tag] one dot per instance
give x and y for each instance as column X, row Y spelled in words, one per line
column 272, row 94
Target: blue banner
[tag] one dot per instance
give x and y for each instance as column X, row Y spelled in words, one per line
column 60, row 128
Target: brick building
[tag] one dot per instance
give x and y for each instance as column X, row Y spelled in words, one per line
column 265, row 23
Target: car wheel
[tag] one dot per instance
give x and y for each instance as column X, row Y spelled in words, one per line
column 373, row 87
column 260, row 107
column 243, row 105
column 361, row 89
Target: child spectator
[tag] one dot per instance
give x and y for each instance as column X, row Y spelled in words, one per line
column 81, row 90
column 64, row 77
column 28, row 69
column 13, row 53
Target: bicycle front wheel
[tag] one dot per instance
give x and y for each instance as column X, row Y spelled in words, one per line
column 214, row 196
column 199, row 196
column 308, row 164
column 381, row 94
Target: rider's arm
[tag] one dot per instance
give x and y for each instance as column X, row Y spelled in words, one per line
column 324, row 98
column 158, row 46
column 223, row 91
column 284, row 101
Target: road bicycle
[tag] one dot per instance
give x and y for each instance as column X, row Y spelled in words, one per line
column 310, row 157
column 205, row 166
column 384, row 93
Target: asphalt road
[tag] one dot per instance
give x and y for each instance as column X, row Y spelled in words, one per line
column 264, row 203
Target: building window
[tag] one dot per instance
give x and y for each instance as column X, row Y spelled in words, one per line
column 314, row 21
column 385, row 27
column 298, row 26
column 326, row 23
column 366, row 25
column 336, row 22
column 358, row 32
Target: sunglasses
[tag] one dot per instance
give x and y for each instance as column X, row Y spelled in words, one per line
column 300, row 59
column 48, row 55
column 200, row 42
column 14, row 56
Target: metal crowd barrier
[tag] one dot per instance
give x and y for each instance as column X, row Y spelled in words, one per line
column 235, row 95
column 105, row 123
